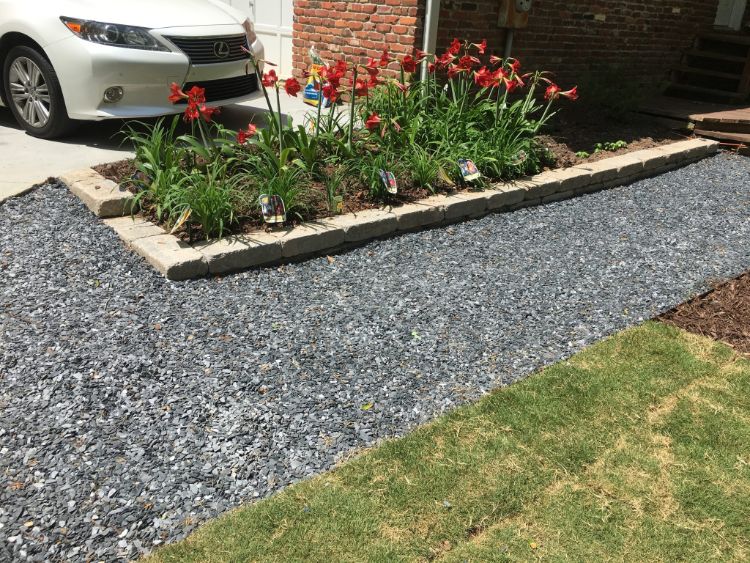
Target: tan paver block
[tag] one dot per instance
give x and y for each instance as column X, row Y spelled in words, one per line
column 542, row 185
column 232, row 254
column 653, row 159
column 465, row 204
column 613, row 168
column 130, row 229
column 415, row 215
column 690, row 149
column 175, row 259
column 364, row 225
column 310, row 238
column 103, row 197
column 502, row 196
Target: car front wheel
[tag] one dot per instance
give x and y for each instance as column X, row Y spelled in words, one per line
column 33, row 94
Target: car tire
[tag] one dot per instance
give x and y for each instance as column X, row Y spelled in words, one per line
column 33, row 94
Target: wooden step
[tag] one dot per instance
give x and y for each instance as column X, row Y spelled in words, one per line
column 724, row 135
column 714, row 55
column 706, row 72
column 726, row 38
column 708, row 92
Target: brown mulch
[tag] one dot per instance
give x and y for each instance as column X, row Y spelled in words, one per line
column 577, row 129
column 119, row 171
column 722, row 314
column 571, row 131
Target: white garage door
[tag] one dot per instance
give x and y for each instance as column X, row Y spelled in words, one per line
column 273, row 24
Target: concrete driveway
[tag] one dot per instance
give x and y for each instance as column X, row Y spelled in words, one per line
column 26, row 161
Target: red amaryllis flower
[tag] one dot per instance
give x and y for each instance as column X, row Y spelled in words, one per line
column 270, row 78
column 385, row 59
column 495, row 60
column 244, row 134
column 445, row 59
column 409, row 64
column 514, row 83
column 454, row 70
column 571, row 94
column 552, row 93
column 208, row 113
column 196, row 96
column 431, row 68
column 481, row 47
column 292, row 87
column 484, row 77
column 403, row 87
column 373, row 122
column 455, row 47
column 468, row 62
column 361, row 87
column 515, row 66
column 340, row 67
column 176, row 93
column 330, row 92
column 420, row 56
column 372, row 64
column 373, row 81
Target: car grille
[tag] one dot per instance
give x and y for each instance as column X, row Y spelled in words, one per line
column 207, row 50
column 226, row 88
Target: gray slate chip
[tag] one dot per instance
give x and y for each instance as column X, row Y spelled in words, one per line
column 132, row 409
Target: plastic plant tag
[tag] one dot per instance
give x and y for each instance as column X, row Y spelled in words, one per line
column 273, row 209
column 469, row 170
column 389, row 181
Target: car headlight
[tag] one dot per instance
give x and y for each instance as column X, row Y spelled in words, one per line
column 113, row 34
column 250, row 31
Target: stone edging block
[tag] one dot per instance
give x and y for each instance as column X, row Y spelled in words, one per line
column 179, row 261
column 103, row 197
column 175, row 259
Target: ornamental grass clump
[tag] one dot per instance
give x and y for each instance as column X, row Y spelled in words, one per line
column 377, row 136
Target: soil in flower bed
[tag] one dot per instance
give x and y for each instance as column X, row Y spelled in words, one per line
column 576, row 130
column 722, row 314
column 571, row 132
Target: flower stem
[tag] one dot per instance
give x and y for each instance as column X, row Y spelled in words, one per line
column 351, row 112
column 281, row 130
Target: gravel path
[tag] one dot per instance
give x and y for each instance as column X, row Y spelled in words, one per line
column 133, row 409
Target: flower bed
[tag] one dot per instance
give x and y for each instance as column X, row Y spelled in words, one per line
column 474, row 120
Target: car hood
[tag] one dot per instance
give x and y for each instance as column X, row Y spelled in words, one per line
column 150, row 13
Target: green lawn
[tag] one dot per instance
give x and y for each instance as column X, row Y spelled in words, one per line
column 636, row 449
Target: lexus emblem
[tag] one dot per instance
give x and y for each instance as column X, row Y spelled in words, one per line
column 222, row 49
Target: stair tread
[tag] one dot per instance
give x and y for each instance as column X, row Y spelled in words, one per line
column 730, row 136
column 714, row 55
column 709, row 91
column 707, row 72
column 726, row 38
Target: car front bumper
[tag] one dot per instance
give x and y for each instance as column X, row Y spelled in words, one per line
column 87, row 69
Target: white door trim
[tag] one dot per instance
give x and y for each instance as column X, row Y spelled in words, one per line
column 730, row 13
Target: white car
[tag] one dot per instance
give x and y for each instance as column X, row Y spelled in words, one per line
column 67, row 60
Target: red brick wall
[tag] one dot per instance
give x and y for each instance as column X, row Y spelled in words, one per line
column 573, row 37
column 354, row 30
column 569, row 37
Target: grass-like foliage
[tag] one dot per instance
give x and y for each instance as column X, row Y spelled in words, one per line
column 469, row 106
column 633, row 450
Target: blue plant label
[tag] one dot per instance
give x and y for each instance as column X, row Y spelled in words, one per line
column 469, row 170
column 273, row 209
column 389, row 181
